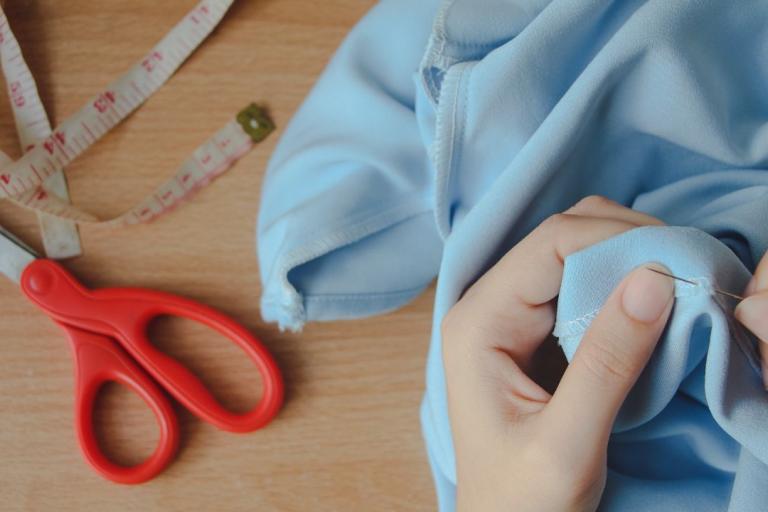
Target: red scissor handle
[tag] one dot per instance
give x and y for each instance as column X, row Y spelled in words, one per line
column 124, row 314
column 99, row 360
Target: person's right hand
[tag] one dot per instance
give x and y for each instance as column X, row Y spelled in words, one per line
column 753, row 311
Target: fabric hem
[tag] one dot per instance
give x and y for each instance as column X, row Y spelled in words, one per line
column 287, row 306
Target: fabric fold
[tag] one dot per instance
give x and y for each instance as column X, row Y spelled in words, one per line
column 351, row 177
column 442, row 133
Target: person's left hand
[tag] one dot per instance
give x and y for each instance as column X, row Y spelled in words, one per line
column 517, row 446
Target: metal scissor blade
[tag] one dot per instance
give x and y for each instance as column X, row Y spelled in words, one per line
column 15, row 255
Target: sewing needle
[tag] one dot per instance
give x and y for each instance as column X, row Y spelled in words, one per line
column 694, row 283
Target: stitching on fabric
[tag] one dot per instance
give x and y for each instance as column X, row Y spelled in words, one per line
column 331, row 297
column 445, row 146
column 441, row 28
column 434, row 54
column 451, row 153
column 466, row 78
column 443, row 18
column 578, row 325
column 291, row 301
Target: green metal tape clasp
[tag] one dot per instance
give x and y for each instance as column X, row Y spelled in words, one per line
column 255, row 122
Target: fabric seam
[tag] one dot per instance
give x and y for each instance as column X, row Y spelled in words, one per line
column 288, row 298
column 578, row 326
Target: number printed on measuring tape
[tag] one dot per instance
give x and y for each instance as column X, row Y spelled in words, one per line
column 48, row 151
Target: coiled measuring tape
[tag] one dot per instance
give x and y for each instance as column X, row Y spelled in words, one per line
column 36, row 180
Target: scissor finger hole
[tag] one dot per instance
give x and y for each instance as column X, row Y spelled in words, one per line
column 125, row 427
column 224, row 368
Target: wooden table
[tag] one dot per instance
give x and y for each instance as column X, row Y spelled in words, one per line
column 348, row 438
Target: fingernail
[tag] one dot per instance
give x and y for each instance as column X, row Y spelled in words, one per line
column 647, row 294
column 753, row 313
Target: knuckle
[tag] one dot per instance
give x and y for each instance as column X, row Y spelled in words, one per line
column 557, row 223
column 605, row 359
column 591, row 203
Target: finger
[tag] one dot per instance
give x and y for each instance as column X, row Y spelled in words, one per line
column 491, row 334
column 759, row 281
column 753, row 313
column 531, row 272
column 610, row 358
column 599, row 206
column 488, row 394
column 508, row 299
column 509, row 305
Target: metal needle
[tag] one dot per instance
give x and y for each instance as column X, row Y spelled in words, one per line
column 716, row 290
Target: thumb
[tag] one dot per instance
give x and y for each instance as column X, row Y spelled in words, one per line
column 610, row 358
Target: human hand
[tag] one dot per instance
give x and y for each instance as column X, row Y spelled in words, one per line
column 517, row 446
column 753, row 311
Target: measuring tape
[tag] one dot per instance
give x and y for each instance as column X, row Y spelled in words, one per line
column 36, row 180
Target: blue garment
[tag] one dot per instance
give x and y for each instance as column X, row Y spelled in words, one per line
column 442, row 133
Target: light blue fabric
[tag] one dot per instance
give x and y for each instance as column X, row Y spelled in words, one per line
column 443, row 132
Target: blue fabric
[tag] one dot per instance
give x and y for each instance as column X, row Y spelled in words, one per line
column 442, row 133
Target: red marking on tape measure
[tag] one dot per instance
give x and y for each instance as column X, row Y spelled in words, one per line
column 201, row 11
column 87, row 129
column 17, row 94
column 58, row 138
column 104, row 101
column 126, row 94
column 150, row 61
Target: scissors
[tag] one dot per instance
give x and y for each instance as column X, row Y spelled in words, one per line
column 107, row 330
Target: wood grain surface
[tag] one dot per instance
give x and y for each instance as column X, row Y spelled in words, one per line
column 348, row 438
